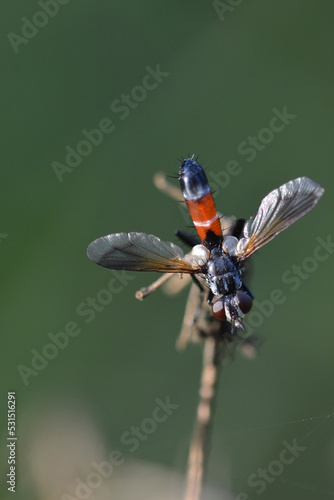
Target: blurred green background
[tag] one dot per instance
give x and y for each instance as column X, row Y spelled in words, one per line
column 225, row 69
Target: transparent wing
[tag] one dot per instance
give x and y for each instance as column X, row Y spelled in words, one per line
column 139, row 252
column 278, row 210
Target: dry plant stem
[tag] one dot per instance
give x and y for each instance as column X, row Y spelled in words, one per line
column 188, row 320
column 166, row 187
column 200, row 445
column 144, row 292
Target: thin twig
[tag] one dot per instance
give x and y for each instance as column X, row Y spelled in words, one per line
column 145, row 291
column 200, row 445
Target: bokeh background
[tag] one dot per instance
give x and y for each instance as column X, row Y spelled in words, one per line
column 226, row 66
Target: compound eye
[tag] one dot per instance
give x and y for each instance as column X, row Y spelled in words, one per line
column 244, row 301
column 218, row 310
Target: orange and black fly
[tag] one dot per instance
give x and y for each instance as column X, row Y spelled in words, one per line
column 217, row 259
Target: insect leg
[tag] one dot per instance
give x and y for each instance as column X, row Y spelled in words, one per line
column 187, row 238
column 247, row 289
column 209, row 297
column 238, row 227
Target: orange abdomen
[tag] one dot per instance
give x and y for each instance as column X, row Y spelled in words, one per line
column 204, row 215
column 197, row 194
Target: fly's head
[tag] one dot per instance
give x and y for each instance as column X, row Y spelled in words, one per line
column 232, row 308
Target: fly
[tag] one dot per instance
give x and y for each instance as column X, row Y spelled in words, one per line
column 217, row 259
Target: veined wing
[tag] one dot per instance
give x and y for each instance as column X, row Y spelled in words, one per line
column 139, row 252
column 277, row 211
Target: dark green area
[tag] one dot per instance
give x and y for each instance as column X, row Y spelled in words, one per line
column 222, row 80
